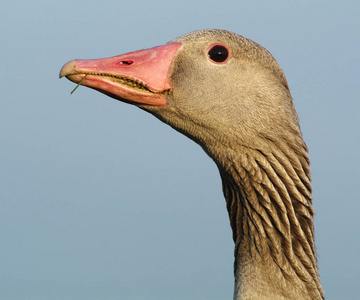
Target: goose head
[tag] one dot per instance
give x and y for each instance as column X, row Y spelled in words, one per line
column 229, row 95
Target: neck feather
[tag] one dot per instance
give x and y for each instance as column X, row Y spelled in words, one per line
column 268, row 194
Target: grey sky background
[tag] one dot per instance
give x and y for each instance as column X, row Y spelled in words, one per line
column 100, row 200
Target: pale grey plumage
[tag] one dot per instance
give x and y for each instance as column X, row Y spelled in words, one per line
column 242, row 114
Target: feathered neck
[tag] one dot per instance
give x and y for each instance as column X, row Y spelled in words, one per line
column 268, row 194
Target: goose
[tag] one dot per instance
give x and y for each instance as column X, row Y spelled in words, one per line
column 229, row 95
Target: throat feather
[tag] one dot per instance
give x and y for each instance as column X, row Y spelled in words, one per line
column 270, row 208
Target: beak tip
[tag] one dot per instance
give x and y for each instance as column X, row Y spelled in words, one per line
column 68, row 68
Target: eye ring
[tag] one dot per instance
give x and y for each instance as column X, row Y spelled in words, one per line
column 218, row 53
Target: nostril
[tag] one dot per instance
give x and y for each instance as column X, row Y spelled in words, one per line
column 126, row 62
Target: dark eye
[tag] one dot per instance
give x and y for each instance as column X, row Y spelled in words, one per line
column 218, row 53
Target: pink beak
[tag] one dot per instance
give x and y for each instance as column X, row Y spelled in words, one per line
column 141, row 76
